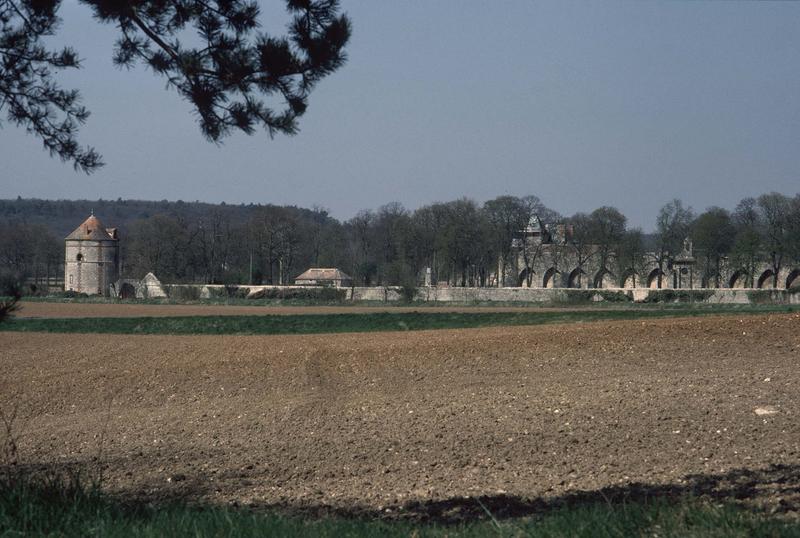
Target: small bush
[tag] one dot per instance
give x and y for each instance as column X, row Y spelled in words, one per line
column 762, row 296
column 70, row 294
column 615, row 296
column 217, row 292
column 408, row 292
column 321, row 294
column 578, row 296
column 10, row 283
column 183, row 293
column 236, row 292
column 677, row 296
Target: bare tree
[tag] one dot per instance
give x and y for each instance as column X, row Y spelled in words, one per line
column 672, row 226
column 630, row 254
column 747, row 244
column 776, row 215
column 713, row 234
column 507, row 216
column 607, row 228
column 214, row 243
column 581, row 240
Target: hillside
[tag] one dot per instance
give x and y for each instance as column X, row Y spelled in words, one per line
column 62, row 216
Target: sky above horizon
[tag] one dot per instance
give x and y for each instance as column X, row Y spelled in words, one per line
column 584, row 104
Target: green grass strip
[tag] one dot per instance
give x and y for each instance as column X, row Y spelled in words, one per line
column 340, row 323
column 58, row 508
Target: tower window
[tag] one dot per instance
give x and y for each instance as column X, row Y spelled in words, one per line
column 79, row 257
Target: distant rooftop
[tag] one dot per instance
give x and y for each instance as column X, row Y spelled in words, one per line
column 322, row 273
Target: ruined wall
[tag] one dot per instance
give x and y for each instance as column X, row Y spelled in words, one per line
column 434, row 294
column 560, row 266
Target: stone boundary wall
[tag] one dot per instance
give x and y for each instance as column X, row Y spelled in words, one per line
column 504, row 295
column 568, row 295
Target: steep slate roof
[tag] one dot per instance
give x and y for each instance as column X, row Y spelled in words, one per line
column 91, row 230
column 320, row 273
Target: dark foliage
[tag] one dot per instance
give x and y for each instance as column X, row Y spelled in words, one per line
column 677, row 296
column 11, row 291
column 227, row 77
column 28, row 90
column 324, row 295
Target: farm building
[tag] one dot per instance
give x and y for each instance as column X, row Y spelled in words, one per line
column 318, row 276
column 91, row 262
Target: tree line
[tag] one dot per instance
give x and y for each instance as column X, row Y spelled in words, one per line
column 463, row 242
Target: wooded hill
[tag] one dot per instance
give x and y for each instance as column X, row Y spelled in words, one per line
column 60, row 217
column 462, row 241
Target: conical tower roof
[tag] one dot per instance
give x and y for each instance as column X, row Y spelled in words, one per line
column 91, row 230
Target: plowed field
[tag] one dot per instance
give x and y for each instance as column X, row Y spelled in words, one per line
column 386, row 420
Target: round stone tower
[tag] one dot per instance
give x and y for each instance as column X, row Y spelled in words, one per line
column 91, row 263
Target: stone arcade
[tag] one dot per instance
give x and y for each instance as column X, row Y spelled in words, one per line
column 547, row 257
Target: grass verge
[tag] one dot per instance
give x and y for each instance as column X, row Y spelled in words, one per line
column 59, row 507
column 338, row 323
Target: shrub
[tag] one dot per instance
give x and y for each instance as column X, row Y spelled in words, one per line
column 70, row 294
column 677, row 296
column 321, row 294
column 183, row 293
column 615, row 296
column 10, row 283
column 236, row 292
column 217, row 293
column 408, row 292
column 763, row 296
column 578, row 296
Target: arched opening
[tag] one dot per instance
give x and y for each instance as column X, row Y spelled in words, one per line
column 127, row 291
column 793, row 280
column 766, row 280
column 79, row 257
column 603, row 279
column 524, row 280
column 574, row 280
column 711, row 279
column 630, row 279
column 738, row 279
column 549, row 280
column 652, row 279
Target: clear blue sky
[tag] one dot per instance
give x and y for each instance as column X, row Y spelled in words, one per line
column 584, row 104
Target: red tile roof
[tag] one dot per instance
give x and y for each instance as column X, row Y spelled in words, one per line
column 91, row 230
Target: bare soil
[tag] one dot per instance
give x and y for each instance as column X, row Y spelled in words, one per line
column 418, row 422
column 131, row 310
